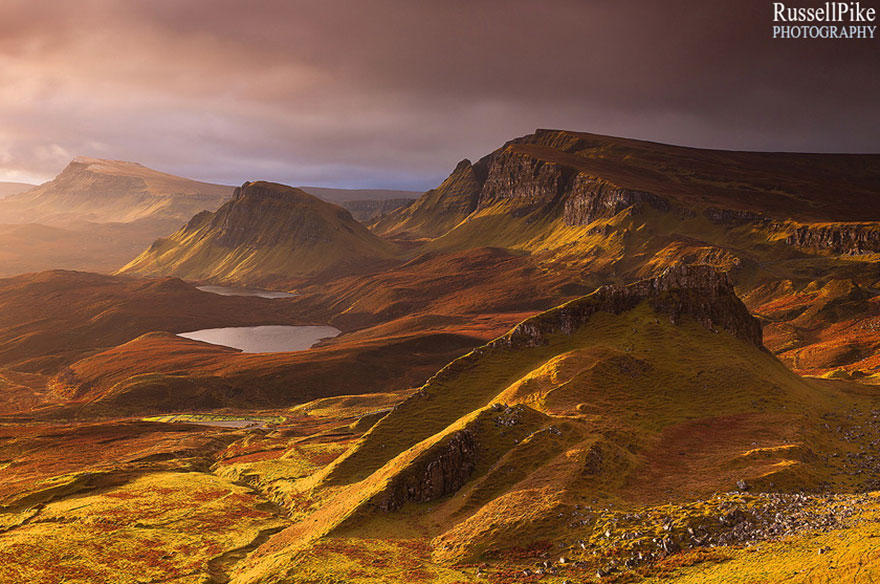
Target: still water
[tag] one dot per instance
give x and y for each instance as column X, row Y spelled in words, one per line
column 227, row 291
column 264, row 339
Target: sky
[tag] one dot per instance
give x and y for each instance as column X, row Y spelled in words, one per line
column 393, row 93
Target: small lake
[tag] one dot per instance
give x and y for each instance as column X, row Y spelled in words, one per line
column 264, row 339
column 229, row 291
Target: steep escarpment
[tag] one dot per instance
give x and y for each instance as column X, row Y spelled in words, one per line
column 268, row 233
column 582, row 177
column 533, row 182
column 831, row 187
column 699, row 292
column 837, row 238
column 440, row 209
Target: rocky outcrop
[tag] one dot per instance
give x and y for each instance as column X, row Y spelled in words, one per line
column 699, row 292
column 696, row 291
column 442, row 471
column 839, row 238
column 590, row 199
column 532, row 183
column 525, row 179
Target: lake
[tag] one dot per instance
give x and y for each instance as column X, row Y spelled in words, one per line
column 229, row 291
column 264, row 339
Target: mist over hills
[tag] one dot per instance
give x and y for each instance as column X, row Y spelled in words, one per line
column 97, row 214
column 12, row 188
column 112, row 191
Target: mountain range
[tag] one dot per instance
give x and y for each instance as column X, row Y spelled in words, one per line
column 579, row 358
column 97, row 214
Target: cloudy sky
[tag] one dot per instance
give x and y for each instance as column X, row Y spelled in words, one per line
column 392, row 93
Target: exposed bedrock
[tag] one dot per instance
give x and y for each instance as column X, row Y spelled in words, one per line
column 442, row 472
column 532, row 182
column 697, row 291
column 840, row 238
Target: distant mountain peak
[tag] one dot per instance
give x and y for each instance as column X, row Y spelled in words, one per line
column 112, row 191
column 89, row 161
column 268, row 232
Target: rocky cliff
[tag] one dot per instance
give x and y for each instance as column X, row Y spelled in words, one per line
column 699, row 292
column 696, row 291
column 532, row 183
column 442, row 471
column 839, row 238
column 582, row 177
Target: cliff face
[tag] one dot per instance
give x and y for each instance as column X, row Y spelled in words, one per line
column 524, row 179
column 839, row 238
column 592, row 199
column 582, row 177
column 696, row 291
column 532, row 183
column 441, row 473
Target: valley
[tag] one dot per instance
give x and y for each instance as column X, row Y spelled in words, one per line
column 579, row 359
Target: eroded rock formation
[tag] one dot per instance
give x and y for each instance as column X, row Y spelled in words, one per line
column 697, row 291
column 839, row 238
column 442, row 472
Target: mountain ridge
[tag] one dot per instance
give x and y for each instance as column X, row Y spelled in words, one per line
column 103, row 191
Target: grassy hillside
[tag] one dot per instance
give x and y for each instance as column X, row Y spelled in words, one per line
column 267, row 233
column 552, row 436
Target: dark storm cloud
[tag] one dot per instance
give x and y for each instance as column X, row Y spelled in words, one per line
column 393, row 93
